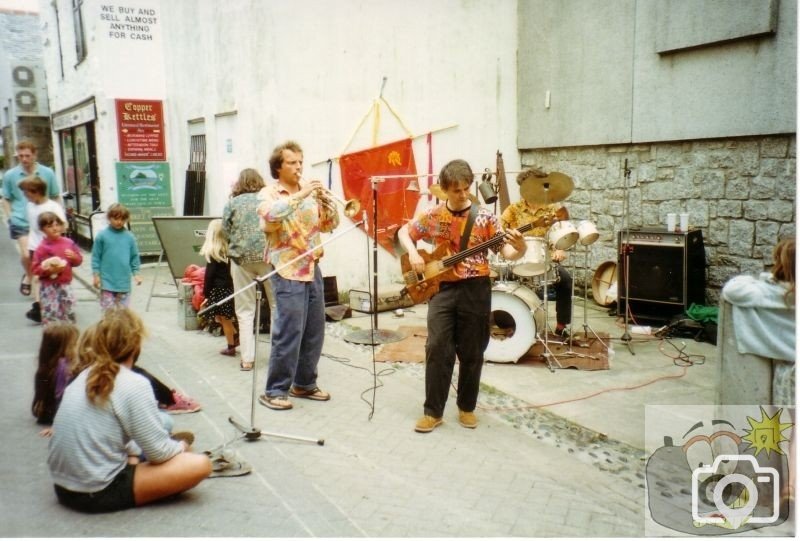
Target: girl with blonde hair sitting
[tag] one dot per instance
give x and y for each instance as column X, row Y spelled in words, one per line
column 107, row 419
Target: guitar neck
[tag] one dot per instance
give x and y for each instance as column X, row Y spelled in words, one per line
column 491, row 243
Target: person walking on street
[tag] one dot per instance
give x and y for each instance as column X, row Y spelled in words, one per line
column 246, row 254
column 15, row 203
column 293, row 214
column 52, row 263
column 35, row 189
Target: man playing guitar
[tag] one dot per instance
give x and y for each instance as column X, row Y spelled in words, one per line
column 458, row 314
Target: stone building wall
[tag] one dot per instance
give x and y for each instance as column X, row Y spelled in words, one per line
column 740, row 192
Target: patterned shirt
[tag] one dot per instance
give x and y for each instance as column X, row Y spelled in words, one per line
column 522, row 213
column 302, row 220
column 440, row 227
column 240, row 224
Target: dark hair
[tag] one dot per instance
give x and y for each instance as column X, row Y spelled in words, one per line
column 533, row 172
column 249, row 181
column 33, row 184
column 118, row 210
column 59, row 340
column 454, row 173
column 47, row 218
column 276, row 159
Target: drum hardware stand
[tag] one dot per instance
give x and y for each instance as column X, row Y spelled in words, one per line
column 549, row 356
column 586, row 327
column 570, row 352
column 252, row 433
column 626, row 250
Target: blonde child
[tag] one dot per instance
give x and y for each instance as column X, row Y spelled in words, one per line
column 115, row 259
column 52, row 263
column 57, row 355
column 218, row 283
column 107, row 418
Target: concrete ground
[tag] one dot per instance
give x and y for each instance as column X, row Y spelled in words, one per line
column 558, row 453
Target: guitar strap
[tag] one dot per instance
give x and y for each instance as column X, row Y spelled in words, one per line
column 473, row 213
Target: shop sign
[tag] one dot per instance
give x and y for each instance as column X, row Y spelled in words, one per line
column 144, row 184
column 140, row 130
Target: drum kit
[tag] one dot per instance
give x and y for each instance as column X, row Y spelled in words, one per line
column 519, row 317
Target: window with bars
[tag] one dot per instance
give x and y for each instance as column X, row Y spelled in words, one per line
column 197, row 153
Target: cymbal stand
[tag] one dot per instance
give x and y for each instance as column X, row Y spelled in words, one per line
column 570, row 352
column 626, row 250
column 549, row 357
column 252, row 433
column 586, row 327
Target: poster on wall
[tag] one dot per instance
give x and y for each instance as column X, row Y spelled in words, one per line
column 140, row 130
column 144, row 185
column 146, row 190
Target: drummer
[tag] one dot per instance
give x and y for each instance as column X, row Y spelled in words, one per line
column 524, row 212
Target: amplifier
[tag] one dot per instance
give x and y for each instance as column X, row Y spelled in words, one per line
column 667, row 272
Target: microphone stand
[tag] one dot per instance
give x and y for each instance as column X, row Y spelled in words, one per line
column 374, row 336
column 626, row 250
column 252, row 433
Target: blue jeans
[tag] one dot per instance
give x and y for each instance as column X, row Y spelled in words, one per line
column 298, row 332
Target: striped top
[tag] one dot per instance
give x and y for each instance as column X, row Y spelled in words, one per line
column 90, row 443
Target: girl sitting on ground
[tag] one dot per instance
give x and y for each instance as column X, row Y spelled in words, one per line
column 105, row 413
column 218, row 283
column 57, row 354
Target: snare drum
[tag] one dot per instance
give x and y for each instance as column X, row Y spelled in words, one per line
column 534, row 262
column 562, row 235
column 587, row 233
column 517, row 317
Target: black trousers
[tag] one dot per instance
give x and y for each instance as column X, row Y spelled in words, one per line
column 563, row 291
column 458, row 326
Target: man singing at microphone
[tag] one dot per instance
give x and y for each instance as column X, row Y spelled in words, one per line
column 458, row 315
column 293, row 214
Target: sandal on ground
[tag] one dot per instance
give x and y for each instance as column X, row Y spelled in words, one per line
column 275, row 402
column 24, row 288
column 246, row 366
column 312, row 394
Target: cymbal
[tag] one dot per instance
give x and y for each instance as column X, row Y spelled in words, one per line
column 545, row 189
column 437, row 191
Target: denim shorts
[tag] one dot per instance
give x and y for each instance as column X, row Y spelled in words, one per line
column 18, row 231
column 115, row 497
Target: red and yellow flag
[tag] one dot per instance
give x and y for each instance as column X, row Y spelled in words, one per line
column 396, row 205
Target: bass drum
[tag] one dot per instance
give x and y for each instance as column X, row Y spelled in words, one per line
column 517, row 316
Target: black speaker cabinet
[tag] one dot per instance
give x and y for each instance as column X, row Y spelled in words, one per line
column 667, row 272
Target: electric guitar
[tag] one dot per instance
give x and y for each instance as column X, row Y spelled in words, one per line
column 438, row 265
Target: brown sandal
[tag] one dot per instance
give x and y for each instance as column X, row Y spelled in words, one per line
column 246, row 366
column 312, row 394
column 275, row 402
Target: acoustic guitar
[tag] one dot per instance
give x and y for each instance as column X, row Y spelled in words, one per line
column 439, row 265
